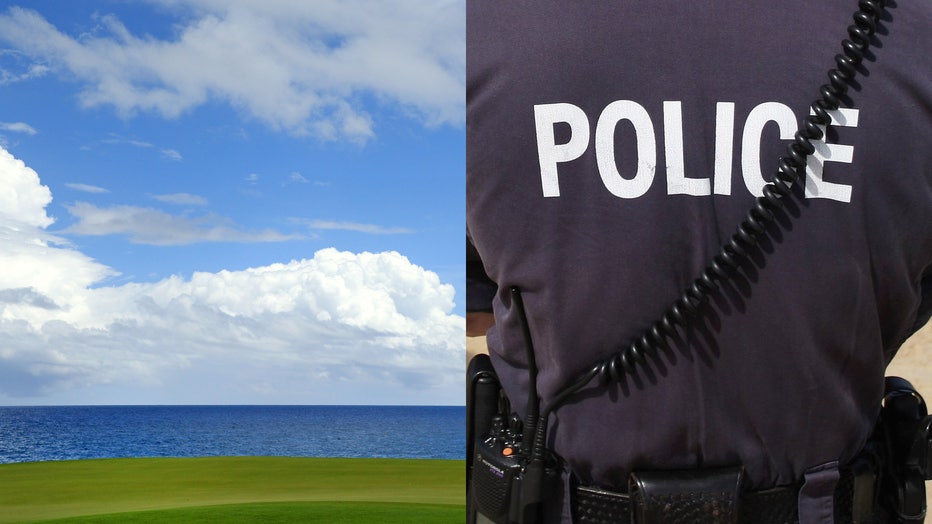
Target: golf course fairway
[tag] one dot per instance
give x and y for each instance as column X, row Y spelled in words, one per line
column 234, row 489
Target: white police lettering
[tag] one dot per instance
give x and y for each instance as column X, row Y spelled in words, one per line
column 824, row 152
column 759, row 117
column 724, row 144
column 550, row 154
column 677, row 183
column 605, row 149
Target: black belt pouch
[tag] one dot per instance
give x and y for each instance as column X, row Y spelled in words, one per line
column 687, row 496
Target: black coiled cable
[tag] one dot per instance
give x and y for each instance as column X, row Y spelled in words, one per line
column 735, row 250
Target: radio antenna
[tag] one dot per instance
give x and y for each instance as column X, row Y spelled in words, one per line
column 532, row 409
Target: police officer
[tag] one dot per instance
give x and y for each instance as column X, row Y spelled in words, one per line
column 612, row 148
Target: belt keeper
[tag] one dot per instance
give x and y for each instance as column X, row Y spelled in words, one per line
column 686, row 496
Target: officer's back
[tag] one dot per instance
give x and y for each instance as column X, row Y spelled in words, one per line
column 612, row 149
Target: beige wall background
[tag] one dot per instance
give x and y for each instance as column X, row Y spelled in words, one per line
column 914, row 361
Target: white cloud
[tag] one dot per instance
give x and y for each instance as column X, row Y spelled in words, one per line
column 31, row 258
column 18, row 127
column 171, row 154
column 13, row 70
column 145, row 225
column 87, row 188
column 183, row 199
column 302, row 67
column 297, row 177
column 337, row 319
column 373, row 229
column 22, row 197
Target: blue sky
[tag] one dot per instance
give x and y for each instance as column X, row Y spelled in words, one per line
column 232, row 202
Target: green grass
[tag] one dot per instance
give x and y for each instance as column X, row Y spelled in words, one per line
column 286, row 512
column 234, row 489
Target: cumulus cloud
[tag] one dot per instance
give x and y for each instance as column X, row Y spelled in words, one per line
column 302, row 67
column 145, row 225
column 333, row 319
column 28, row 296
column 22, row 197
column 31, row 258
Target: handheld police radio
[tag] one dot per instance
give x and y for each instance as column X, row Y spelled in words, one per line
column 509, row 466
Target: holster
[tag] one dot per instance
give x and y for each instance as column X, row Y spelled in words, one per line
column 904, row 431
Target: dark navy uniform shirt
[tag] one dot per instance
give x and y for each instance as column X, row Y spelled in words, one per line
column 613, row 146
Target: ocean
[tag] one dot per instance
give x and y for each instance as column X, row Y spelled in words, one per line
column 31, row 434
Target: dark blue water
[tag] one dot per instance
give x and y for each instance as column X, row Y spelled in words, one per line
column 29, row 434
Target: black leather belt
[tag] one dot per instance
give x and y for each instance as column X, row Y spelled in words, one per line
column 718, row 501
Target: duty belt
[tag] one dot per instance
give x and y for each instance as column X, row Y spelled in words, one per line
column 715, row 496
